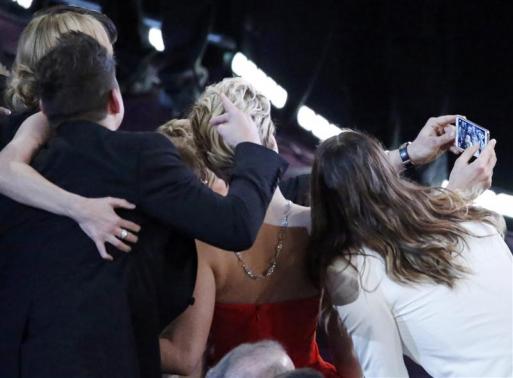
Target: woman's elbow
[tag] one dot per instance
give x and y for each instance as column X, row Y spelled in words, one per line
column 186, row 365
column 188, row 368
column 180, row 361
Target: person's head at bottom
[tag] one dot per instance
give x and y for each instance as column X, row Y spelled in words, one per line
column 259, row 360
column 76, row 80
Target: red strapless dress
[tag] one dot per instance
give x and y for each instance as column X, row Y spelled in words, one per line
column 291, row 323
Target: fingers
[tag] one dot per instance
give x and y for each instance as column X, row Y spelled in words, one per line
column 118, row 244
column 121, row 203
column 447, row 137
column 455, row 150
column 493, row 160
column 489, row 151
column 130, row 237
column 5, row 111
column 274, row 143
column 219, row 120
column 103, row 252
column 229, row 107
column 468, row 153
column 444, row 120
column 129, row 226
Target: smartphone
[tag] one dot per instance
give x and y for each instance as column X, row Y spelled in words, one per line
column 469, row 133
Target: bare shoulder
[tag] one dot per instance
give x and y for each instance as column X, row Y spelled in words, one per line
column 213, row 257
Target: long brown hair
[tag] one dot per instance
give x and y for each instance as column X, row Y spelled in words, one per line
column 358, row 199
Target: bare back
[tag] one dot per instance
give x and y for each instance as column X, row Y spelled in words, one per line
column 289, row 280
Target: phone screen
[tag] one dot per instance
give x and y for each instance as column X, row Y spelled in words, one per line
column 469, row 133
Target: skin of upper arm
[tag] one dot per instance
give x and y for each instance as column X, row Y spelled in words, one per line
column 29, row 138
column 183, row 342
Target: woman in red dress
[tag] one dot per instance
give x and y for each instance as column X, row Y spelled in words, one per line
column 259, row 294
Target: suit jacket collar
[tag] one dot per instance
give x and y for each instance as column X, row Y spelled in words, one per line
column 80, row 128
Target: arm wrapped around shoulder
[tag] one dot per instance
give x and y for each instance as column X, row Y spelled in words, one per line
column 173, row 194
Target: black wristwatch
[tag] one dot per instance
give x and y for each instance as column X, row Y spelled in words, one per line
column 405, row 157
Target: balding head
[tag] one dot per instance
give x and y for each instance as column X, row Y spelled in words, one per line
column 260, row 360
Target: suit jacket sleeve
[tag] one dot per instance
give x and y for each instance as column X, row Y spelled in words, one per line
column 170, row 192
column 297, row 189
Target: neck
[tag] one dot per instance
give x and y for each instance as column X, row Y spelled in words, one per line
column 109, row 123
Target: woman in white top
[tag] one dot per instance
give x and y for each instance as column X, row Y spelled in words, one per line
column 435, row 274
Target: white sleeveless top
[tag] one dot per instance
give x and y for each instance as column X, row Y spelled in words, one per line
column 466, row 331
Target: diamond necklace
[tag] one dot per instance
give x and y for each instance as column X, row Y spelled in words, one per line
column 277, row 250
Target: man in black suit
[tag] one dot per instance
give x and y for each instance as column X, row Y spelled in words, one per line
column 64, row 311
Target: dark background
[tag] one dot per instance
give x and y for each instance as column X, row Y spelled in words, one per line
column 381, row 66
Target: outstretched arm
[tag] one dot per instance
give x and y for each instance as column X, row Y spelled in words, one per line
column 436, row 137
column 20, row 182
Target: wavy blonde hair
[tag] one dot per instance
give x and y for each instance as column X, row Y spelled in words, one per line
column 217, row 155
column 179, row 131
column 40, row 35
column 359, row 200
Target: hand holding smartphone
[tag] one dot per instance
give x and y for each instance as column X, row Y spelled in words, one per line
column 469, row 133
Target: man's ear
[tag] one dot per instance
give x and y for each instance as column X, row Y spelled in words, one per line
column 115, row 101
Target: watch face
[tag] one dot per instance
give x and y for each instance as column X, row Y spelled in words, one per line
column 403, row 153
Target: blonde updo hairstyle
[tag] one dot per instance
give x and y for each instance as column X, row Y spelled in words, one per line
column 40, row 35
column 179, row 131
column 216, row 154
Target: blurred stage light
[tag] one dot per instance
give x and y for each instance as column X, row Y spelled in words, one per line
column 155, row 39
column 248, row 70
column 23, row 3
column 316, row 124
column 500, row 203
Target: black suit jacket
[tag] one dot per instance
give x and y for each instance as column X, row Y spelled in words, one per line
column 64, row 312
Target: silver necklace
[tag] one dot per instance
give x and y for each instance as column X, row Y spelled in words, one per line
column 284, row 223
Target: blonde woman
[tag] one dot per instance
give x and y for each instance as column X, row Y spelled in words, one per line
column 435, row 274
